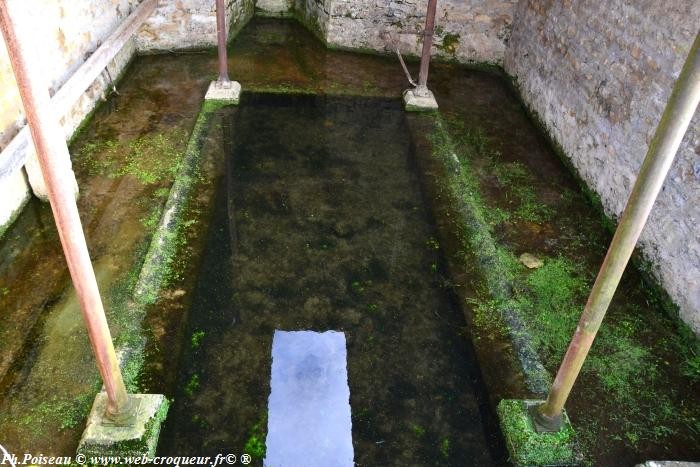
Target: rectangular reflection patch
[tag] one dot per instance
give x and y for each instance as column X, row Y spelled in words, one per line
column 309, row 407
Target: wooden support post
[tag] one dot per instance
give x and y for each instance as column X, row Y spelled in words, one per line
column 52, row 151
column 669, row 134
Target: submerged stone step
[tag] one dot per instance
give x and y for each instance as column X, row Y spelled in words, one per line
column 309, row 420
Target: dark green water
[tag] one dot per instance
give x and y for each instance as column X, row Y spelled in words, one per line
column 320, row 224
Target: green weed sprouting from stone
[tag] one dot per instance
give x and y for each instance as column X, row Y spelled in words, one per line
column 196, row 339
column 192, row 385
column 450, row 42
column 445, row 448
column 418, row 430
column 255, row 445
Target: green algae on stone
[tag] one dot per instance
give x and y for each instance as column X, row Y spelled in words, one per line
column 150, row 158
column 192, row 385
column 550, row 300
column 462, row 187
column 255, row 445
column 170, row 233
column 196, row 339
column 450, row 42
column 530, row 448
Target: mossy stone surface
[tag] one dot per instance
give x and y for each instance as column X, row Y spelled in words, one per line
column 526, row 447
column 138, row 439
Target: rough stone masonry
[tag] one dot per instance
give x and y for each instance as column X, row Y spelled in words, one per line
column 599, row 75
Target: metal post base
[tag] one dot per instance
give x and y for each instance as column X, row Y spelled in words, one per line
column 543, row 423
column 126, row 416
column 133, row 432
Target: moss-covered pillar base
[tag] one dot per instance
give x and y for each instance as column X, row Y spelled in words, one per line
column 419, row 100
column 527, row 447
column 229, row 91
column 136, row 438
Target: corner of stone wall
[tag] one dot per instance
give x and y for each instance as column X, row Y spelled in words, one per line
column 238, row 22
column 310, row 20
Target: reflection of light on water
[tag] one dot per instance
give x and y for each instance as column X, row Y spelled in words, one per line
column 6, row 456
column 309, row 420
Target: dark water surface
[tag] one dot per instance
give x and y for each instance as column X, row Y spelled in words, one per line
column 320, row 225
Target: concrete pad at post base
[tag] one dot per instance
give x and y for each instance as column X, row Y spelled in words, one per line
column 224, row 91
column 423, row 101
column 526, row 447
column 138, row 439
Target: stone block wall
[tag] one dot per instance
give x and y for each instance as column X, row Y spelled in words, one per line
column 599, row 75
column 64, row 33
column 466, row 31
column 189, row 24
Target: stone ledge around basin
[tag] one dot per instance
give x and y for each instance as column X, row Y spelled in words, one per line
column 163, row 247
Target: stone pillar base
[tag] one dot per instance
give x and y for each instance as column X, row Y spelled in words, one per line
column 229, row 91
column 36, row 178
column 528, row 447
column 136, row 437
column 419, row 100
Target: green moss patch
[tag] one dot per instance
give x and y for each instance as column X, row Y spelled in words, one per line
column 450, row 42
column 526, row 447
column 255, row 445
column 150, row 158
